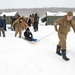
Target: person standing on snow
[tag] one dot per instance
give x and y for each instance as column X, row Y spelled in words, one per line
column 64, row 27
column 4, row 16
column 32, row 19
column 25, row 22
column 2, row 27
column 36, row 21
column 18, row 26
column 10, row 20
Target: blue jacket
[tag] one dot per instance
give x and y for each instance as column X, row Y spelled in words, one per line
column 1, row 23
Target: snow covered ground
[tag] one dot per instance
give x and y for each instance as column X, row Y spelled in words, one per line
column 19, row 57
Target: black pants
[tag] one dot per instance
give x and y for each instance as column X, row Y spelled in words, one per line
column 5, row 27
column 35, row 26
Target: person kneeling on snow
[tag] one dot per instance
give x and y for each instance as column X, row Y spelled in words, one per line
column 28, row 35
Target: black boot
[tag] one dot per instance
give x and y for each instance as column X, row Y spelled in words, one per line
column 64, row 55
column 58, row 50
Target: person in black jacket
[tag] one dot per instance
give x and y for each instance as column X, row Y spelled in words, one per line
column 28, row 35
column 4, row 16
column 2, row 25
column 36, row 21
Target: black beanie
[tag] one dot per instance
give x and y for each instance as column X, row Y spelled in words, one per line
column 27, row 29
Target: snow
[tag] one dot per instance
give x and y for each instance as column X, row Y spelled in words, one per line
column 8, row 13
column 50, row 13
column 61, row 14
column 19, row 57
column 57, row 13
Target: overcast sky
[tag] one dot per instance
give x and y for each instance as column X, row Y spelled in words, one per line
column 5, row 4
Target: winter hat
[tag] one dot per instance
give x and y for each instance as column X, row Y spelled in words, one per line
column 70, row 13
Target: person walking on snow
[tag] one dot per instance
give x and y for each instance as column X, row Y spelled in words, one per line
column 64, row 27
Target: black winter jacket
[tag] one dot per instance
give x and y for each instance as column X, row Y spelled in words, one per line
column 28, row 35
column 1, row 23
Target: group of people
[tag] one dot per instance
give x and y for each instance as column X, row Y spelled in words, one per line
column 64, row 24
column 19, row 23
column 34, row 20
column 24, row 22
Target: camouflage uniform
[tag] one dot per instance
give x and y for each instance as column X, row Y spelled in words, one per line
column 32, row 19
column 64, row 27
column 18, row 27
column 4, row 19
